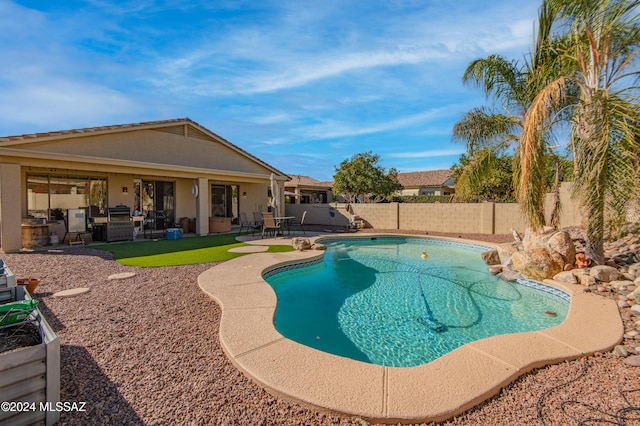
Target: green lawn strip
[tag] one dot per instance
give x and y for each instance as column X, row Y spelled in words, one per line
column 185, row 251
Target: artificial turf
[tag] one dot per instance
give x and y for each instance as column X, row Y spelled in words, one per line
column 184, row 251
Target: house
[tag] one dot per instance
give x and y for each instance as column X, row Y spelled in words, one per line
column 305, row 190
column 430, row 182
column 146, row 175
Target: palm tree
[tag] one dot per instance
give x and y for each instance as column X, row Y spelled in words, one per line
column 600, row 47
column 488, row 133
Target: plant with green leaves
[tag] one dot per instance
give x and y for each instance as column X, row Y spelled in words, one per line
column 492, row 133
column 497, row 184
column 362, row 179
column 597, row 86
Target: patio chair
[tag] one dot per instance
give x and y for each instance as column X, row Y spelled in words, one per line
column 300, row 224
column 269, row 224
column 245, row 223
column 257, row 219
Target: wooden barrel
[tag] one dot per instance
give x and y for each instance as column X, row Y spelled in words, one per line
column 34, row 235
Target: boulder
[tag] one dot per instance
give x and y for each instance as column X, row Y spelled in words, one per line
column 604, row 273
column 491, row 257
column 300, row 243
column 586, row 280
column 561, row 243
column 509, row 274
column 318, row 246
column 505, row 251
column 565, row 277
column 536, row 264
column 494, row 269
column 537, row 239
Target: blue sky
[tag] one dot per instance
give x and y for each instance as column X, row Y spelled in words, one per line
column 301, row 84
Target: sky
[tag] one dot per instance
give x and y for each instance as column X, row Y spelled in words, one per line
column 301, row 84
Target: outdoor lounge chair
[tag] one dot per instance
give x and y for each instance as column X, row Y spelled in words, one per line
column 269, row 224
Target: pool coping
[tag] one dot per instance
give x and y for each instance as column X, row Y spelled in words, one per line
column 430, row 392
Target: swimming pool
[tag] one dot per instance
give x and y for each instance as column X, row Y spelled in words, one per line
column 379, row 301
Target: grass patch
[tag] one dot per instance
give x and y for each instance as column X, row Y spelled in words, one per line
column 185, row 251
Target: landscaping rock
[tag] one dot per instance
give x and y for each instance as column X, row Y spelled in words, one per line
column 633, row 361
column 300, row 243
column 505, row 251
column 565, row 277
column 561, row 243
column 604, row 273
column 509, row 274
column 586, row 280
column 537, row 239
column 318, row 246
column 620, row 285
column 536, row 264
column 620, row 350
column 495, row 269
column 491, row 257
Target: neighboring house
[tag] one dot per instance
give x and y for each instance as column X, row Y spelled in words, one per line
column 305, row 190
column 156, row 172
column 430, row 182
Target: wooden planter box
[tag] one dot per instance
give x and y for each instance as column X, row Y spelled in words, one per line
column 219, row 224
column 32, row 374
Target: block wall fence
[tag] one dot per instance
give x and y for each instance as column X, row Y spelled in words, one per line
column 472, row 218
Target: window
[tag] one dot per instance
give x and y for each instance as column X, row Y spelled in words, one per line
column 49, row 196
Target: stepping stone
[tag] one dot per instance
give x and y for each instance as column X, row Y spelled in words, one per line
column 249, row 249
column 72, row 292
column 121, row 276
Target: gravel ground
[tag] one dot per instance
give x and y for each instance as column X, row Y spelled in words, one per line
column 145, row 350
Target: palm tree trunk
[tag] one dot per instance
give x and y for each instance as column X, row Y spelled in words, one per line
column 555, row 213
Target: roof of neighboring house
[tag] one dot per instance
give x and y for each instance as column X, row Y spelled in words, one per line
column 429, row 178
column 306, row 181
column 59, row 134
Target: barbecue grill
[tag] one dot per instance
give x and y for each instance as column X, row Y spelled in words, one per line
column 119, row 224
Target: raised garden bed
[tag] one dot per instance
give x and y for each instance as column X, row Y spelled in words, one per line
column 29, row 366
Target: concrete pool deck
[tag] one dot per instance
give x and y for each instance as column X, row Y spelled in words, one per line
column 435, row 391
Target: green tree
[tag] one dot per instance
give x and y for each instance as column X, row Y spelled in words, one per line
column 489, row 133
column 362, row 179
column 497, row 185
column 597, row 85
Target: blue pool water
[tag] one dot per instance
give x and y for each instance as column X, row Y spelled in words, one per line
column 378, row 301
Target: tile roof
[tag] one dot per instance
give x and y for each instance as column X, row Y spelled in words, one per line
column 297, row 180
column 431, row 178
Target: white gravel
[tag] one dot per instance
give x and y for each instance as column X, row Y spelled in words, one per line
column 145, row 350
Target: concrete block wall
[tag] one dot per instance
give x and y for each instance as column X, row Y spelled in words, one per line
column 473, row 218
column 440, row 217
